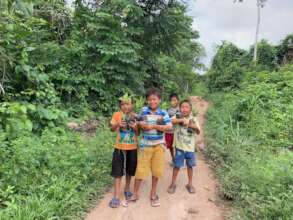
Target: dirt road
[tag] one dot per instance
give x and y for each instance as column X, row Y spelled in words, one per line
column 179, row 206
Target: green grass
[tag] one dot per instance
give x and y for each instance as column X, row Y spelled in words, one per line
column 53, row 176
column 249, row 135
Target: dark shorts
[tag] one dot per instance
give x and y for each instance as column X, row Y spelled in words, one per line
column 181, row 155
column 124, row 162
column 169, row 138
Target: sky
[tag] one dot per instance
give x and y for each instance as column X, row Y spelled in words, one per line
column 218, row 20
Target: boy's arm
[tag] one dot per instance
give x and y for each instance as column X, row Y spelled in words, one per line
column 135, row 128
column 115, row 124
column 163, row 128
column 177, row 120
column 195, row 127
column 167, row 126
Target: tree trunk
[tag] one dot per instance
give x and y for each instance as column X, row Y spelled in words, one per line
column 257, row 31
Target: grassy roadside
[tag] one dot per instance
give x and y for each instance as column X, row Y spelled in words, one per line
column 53, row 176
column 252, row 155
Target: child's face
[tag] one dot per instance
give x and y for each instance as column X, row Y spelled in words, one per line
column 174, row 102
column 185, row 109
column 153, row 102
column 126, row 107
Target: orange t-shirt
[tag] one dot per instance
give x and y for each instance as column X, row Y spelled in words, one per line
column 125, row 139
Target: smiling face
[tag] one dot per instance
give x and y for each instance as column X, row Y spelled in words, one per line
column 185, row 109
column 153, row 102
column 126, row 107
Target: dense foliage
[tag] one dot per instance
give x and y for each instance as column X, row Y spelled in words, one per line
column 85, row 56
column 52, row 175
column 58, row 62
column 250, row 133
column 230, row 63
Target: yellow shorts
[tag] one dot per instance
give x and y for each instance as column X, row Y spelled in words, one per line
column 150, row 160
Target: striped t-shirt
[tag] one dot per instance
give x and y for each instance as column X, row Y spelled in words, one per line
column 153, row 137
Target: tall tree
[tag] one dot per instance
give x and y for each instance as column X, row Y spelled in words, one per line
column 259, row 4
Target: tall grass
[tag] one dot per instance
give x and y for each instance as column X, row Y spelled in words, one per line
column 53, row 176
column 250, row 141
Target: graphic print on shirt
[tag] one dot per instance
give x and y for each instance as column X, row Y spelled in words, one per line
column 126, row 136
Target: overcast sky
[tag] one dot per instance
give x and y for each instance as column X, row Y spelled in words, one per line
column 218, row 20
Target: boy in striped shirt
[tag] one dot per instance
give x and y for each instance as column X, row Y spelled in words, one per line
column 151, row 153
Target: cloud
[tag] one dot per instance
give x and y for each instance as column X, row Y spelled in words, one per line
column 218, row 20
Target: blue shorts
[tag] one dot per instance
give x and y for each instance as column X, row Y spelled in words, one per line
column 182, row 155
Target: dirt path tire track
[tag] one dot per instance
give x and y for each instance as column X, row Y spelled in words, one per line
column 203, row 205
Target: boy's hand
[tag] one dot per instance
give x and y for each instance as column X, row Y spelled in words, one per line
column 122, row 124
column 145, row 126
column 185, row 121
column 133, row 125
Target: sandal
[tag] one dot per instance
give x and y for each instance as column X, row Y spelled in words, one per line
column 190, row 189
column 114, row 203
column 125, row 203
column 171, row 189
column 155, row 201
column 127, row 195
column 131, row 199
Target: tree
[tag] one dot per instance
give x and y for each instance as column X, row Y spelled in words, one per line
column 267, row 55
column 227, row 68
column 260, row 4
column 285, row 50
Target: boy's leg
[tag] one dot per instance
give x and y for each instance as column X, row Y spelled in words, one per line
column 117, row 186
column 154, row 186
column 190, row 175
column 137, row 184
column 117, row 173
column 172, row 148
column 157, row 167
column 178, row 163
column 142, row 170
column 172, row 153
column 131, row 163
column 190, row 163
column 127, row 183
column 174, row 176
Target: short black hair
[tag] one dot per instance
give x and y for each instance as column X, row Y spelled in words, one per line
column 186, row 101
column 173, row 95
column 153, row 91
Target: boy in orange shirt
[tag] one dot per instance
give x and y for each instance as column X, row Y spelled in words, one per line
column 125, row 153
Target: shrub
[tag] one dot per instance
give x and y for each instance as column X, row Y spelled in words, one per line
column 250, row 141
column 52, row 176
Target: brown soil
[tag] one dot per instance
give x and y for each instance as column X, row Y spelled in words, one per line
column 203, row 205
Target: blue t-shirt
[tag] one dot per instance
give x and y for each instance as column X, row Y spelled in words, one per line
column 153, row 137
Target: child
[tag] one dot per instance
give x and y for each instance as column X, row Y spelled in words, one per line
column 125, row 153
column 184, row 141
column 169, row 135
column 151, row 154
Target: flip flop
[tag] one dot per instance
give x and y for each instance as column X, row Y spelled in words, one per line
column 190, row 189
column 114, row 203
column 131, row 199
column 127, row 195
column 125, row 203
column 155, row 201
column 171, row 189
